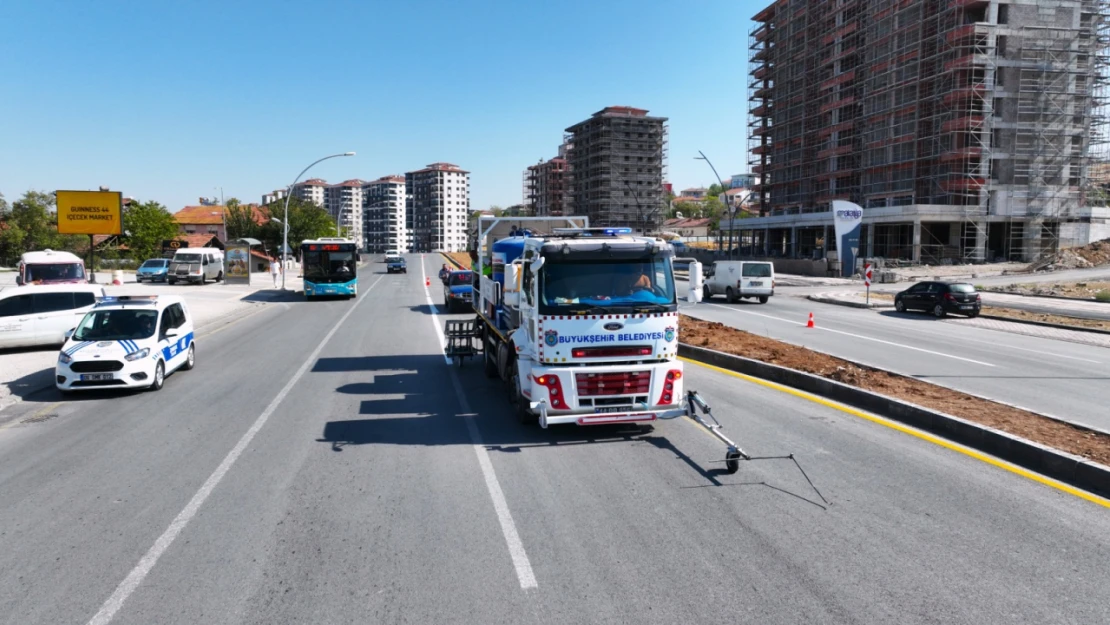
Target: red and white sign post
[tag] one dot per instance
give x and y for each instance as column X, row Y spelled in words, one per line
column 867, row 281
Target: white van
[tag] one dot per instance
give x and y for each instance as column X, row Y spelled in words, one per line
column 196, row 264
column 50, row 267
column 741, row 279
column 43, row 315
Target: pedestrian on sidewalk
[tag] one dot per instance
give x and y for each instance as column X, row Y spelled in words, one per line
column 275, row 271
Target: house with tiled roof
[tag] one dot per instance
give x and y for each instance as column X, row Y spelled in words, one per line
column 211, row 220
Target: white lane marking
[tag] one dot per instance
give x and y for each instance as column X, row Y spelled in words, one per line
column 860, row 336
column 136, row 576
column 519, row 556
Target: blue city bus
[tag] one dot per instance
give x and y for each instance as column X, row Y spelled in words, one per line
column 330, row 267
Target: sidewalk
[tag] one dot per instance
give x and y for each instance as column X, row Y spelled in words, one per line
column 856, row 300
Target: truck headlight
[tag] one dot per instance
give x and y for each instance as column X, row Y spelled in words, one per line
column 64, row 358
column 142, row 353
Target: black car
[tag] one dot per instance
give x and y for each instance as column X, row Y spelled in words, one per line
column 940, row 298
column 395, row 264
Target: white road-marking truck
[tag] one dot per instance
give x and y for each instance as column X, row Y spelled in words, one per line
column 582, row 323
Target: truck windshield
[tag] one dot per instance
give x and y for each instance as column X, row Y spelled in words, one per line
column 567, row 284
column 117, row 325
column 54, row 271
column 460, row 278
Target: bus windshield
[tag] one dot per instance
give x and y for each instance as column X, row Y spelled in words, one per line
column 329, row 266
column 598, row 283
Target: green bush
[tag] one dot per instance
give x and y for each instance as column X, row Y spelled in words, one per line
column 1103, row 295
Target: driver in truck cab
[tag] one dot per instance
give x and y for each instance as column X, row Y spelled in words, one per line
column 632, row 280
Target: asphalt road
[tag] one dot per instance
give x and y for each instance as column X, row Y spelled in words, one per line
column 323, row 464
column 1065, row 380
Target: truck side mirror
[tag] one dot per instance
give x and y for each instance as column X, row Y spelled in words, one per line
column 19, row 280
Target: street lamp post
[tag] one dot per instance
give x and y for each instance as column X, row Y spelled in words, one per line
column 223, row 223
column 285, row 235
column 705, row 158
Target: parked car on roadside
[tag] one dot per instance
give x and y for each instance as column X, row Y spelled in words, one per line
column 153, row 270
column 940, row 298
column 43, row 315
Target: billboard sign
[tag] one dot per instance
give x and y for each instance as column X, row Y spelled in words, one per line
column 237, row 263
column 90, row 212
column 169, row 248
column 847, row 223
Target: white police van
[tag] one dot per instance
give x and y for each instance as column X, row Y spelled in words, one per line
column 127, row 342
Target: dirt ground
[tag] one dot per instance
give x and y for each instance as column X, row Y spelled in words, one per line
column 462, row 258
column 1027, row 425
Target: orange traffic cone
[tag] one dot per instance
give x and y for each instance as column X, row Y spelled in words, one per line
column 427, row 281
column 809, row 324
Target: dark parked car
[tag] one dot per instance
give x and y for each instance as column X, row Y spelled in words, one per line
column 457, row 289
column 940, row 298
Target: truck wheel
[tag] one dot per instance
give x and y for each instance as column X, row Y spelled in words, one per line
column 487, row 356
column 520, row 403
column 730, row 295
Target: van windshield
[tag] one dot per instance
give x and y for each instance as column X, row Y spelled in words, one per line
column 53, row 271
column 187, row 258
column 117, row 325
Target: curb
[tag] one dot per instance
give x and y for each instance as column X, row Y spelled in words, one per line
column 1056, row 297
column 1045, row 324
column 1073, row 470
column 840, row 302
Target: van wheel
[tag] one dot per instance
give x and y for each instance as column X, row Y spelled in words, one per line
column 191, row 359
column 203, row 278
column 159, row 377
column 706, row 294
column 730, row 295
column 763, row 299
column 220, row 277
column 171, row 280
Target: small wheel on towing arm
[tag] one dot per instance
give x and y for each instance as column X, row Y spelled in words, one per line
column 732, row 462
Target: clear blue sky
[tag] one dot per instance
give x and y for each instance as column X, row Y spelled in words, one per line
column 168, row 101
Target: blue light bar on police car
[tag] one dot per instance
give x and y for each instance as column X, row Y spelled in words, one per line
column 616, row 231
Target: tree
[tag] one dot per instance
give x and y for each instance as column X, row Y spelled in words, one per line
column 306, row 221
column 715, row 190
column 147, row 224
column 240, row 221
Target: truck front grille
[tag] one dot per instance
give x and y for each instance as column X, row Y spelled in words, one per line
column 616, row 383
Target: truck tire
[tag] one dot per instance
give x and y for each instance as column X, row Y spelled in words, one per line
column 490, row 361
column 520, row 403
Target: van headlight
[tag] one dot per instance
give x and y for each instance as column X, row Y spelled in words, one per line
column 142, row 353
column 64, row 358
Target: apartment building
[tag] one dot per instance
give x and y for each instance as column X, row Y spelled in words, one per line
column 344, row 202
column 438, row 205
column 617, row 165
column 384, row 215
column 313, row 190
column 965, row 128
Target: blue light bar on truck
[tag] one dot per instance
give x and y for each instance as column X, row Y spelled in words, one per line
column 615, row 231
column 592, row 232
column 116, row 300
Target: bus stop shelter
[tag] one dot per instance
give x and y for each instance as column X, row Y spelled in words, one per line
column 238, row 258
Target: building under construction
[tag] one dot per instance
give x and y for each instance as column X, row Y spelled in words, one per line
column 965, row 128
column 547, row 186
column 617, row 163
